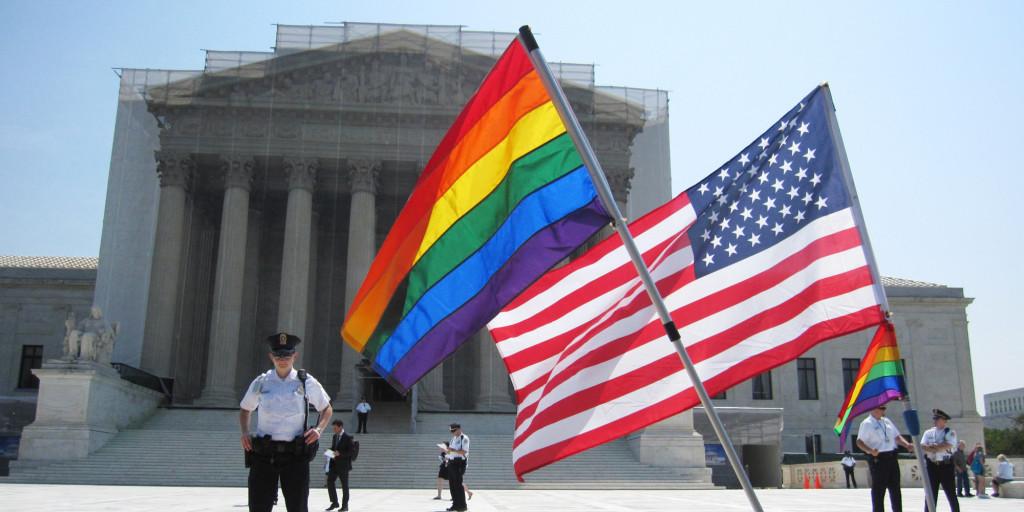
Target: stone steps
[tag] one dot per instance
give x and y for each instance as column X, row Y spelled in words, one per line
column 201, row 448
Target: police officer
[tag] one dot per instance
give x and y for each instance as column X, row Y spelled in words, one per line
column 939, row 443
column 458, row 451
column 283, row 446
column 878, row 437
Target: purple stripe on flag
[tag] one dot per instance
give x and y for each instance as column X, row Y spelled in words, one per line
column 870, row 403
column 535, row 257
column 864, row 406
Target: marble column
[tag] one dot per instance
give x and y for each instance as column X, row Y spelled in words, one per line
column 293, row 304
column 175, row 172
column 226, row 320
column 492, row 377
column 431, row 391
column 362, row 246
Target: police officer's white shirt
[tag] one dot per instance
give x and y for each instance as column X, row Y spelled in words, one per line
column 363, row 407
column 281, row 404
column 459, row 442
column 848, row 461
column 937, row 436
column 878, row 434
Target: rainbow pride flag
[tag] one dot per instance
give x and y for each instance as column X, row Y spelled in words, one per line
column 504, row 198
column 880, row 380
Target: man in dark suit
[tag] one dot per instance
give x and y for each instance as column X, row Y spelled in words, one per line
column 339, row 466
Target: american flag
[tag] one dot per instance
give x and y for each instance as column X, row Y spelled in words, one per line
column 758, row 262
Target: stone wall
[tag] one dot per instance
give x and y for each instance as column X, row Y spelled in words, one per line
column 832, row 477
column 34, row 302
column 931, row 327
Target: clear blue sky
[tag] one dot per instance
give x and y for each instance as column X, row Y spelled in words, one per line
column 927, row 94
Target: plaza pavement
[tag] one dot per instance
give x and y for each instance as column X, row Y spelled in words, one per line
column 29, row 498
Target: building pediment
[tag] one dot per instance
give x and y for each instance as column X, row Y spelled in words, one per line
column 400, row 68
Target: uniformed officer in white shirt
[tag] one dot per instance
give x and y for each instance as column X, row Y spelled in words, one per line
column 878, row 437
column 939, row 443
column 849, row 463
column 458, row 452
column 362, row 412
column 283, row 444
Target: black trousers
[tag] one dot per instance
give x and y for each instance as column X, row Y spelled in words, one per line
column 292, row 471
column 963, row 483
column 849, row 477
column 333, row 476
column 944, row 475
column 456, row 469
column 885, row 476
column 361, row 429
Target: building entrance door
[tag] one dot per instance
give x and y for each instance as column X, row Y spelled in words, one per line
column 378, row 390
column 391, row 411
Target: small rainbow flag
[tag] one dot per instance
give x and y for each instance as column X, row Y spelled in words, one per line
column 880, row 380
column 503, row 199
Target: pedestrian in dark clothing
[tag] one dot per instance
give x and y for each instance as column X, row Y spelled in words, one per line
column 963, row 478
column 339, row 466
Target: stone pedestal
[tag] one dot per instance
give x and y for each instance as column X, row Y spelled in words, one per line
column 673, row 444
column 80, row 407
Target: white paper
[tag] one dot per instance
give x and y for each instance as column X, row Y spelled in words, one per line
column 330, row 454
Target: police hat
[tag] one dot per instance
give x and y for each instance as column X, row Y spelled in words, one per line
column 939, row 413
column 454, row 426
column 282, row 343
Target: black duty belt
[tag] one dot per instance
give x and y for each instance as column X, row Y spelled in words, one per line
column 266, row 446
column 946, row 462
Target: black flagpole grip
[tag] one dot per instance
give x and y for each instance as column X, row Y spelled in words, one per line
column 526, row 35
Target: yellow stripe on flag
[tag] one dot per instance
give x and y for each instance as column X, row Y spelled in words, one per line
column 533, row 130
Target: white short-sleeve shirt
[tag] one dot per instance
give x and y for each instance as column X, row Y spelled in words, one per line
column 934, row 436
column 460, row 442
column 878, row 434
column 281, row 404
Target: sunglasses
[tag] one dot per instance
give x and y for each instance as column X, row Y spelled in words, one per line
column 282, row 356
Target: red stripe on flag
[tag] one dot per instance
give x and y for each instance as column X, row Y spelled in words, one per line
column 596, row 395
column 696, row 311
column 687, row 398
column 768, row 278
column 636, row 228
column 617, row 277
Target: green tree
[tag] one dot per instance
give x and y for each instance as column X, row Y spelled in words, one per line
column 1009, row 441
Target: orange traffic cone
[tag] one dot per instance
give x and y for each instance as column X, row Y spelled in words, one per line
column 817, row 481
column 807, row 482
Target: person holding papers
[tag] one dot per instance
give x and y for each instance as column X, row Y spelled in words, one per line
column 458, row 451
column 442, row 472
column 339, row 465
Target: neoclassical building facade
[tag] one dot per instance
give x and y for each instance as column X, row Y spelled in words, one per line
column 250, row 197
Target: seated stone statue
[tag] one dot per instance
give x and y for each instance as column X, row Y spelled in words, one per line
column 91, row 339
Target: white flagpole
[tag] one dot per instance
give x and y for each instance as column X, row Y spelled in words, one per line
column 910, row 416
column 608, row 201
